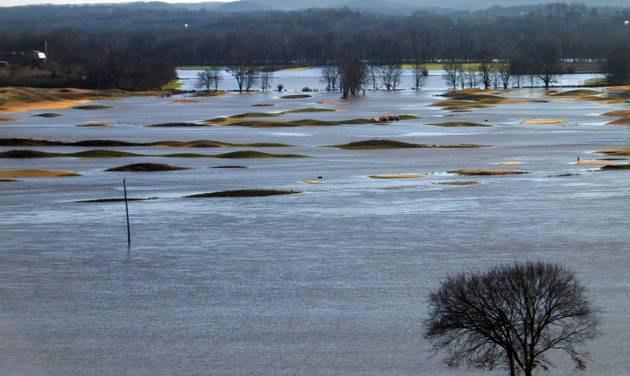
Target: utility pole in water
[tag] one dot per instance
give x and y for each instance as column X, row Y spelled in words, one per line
column 127, row 212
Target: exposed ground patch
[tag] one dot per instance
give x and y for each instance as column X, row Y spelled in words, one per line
column 11, row 174
column 619, row 151
column 543, row 121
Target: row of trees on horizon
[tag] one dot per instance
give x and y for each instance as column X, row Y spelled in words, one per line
column 137, row 57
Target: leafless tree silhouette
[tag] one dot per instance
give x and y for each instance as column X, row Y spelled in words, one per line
column 511, row 316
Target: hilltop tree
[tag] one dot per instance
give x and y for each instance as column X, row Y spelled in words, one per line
column 511, row 316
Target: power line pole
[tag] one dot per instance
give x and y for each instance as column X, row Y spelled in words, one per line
column 127, row 212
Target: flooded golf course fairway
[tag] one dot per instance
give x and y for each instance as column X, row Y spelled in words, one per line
column 323, row 265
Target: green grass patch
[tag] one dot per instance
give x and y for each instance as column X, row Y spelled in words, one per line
column 245, row 193
column 92, row 107
column 617, row 167
column 382, row 144
column 48, row 115
column 487, row 172
column 576, row 93
column 146, row 167
column 620, row 151
column 112, row 200
column 296, row 96
column 251, row 154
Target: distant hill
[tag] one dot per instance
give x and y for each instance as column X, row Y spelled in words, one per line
column 394, row 6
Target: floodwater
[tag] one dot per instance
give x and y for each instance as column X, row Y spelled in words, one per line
column 333, row 281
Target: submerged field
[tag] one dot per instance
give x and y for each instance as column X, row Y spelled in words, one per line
column 307, row 266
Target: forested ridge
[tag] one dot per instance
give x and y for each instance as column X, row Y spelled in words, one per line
column 137, row 46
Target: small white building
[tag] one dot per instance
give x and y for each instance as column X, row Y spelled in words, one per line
column 39, row 56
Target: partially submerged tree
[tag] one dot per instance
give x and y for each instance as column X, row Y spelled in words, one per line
column 617, row 66
column 208, row 79
column 266, row 76
column 330, row 76
column 390, row 75
column 452, row 74
column 546, row 57
column 511, row 316
column 352, row 75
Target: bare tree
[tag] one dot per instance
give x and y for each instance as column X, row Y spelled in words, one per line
column 208, row 79
column 266, row 76
column 420, row 74
column 505, row 73
column 390, row 76
column 511, row 316
column 547, row 55
column 372, row 77
column 485, row 68
column 251, row 77
column 352, row 75
column 330, row 76
column 452, row 74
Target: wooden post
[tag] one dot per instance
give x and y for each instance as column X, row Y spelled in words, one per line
column 127, row 212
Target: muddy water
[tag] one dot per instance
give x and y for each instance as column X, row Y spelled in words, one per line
column 329, row 282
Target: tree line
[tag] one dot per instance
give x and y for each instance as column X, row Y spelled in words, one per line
column 117, row 46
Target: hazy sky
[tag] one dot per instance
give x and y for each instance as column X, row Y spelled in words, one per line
column 8, row 3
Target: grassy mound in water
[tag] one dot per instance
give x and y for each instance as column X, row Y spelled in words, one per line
column 174, row 125
column 12, row 174
column 7, row 120
column 459, row 183
column 382, row 144
column 543, row 121
column 487, row 172
column 461, row 124
column 255, row 115
column 103, row 154
column 309, row 109
column 463, row 100
column 576, row 93
column 281, row 124
column 263, row 105
column 146, row 167
column 252, row 154
column 229, row 167
column 245, row 193
column 618, row 113
column 28, row 154
column 91, row 107
column 620, row 151
column 617, row 167
column 93, row 124
column 114, row 143
column 296, row 96
column 622, row 121
column 111, row 200
column 48, row 115
column 417, row 175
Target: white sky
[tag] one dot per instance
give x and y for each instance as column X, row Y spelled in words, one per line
column 8, row 3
